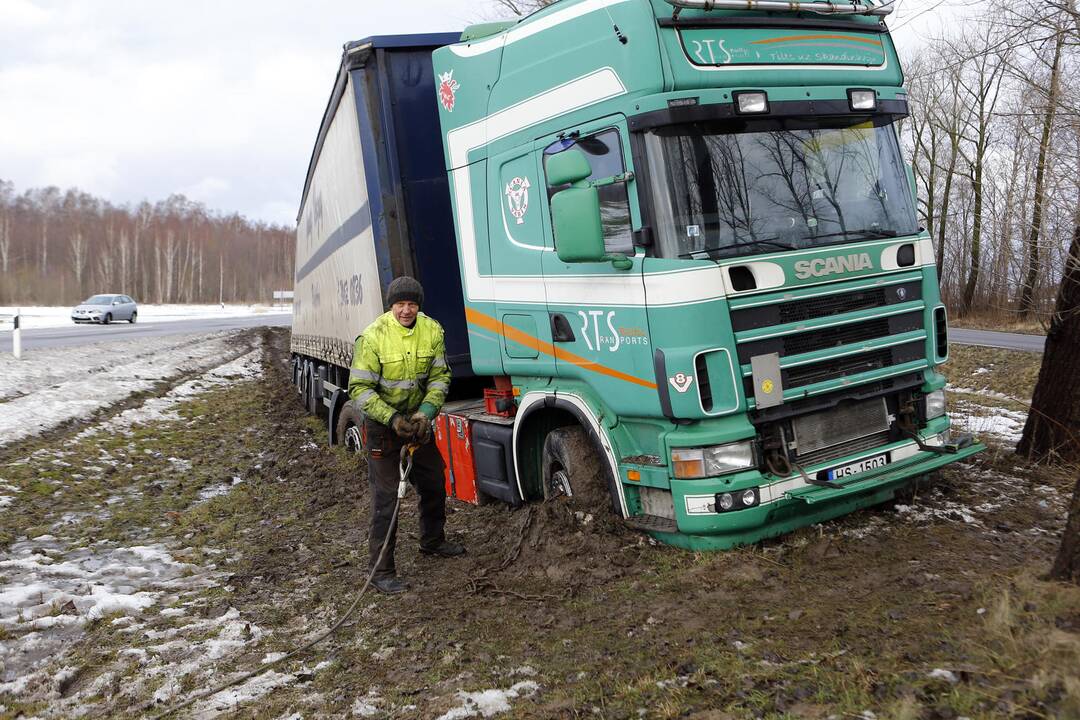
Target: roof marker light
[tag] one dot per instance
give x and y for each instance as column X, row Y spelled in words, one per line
column 862, row 99
column 751, row 102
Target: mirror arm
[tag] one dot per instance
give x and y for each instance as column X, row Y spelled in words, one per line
column 614, row 179
column 619, row 261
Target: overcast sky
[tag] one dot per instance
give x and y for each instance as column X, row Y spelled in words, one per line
column 217, row 99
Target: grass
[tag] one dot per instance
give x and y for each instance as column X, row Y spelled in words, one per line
column 833, row 620
column 1001, row 321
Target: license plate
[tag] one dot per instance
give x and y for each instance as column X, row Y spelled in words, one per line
column 870, row 463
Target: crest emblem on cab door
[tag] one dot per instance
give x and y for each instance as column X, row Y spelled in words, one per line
column 448, row 88
column 517, row 197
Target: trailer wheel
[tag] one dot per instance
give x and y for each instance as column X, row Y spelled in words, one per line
column 348, row 428
column 570, row 464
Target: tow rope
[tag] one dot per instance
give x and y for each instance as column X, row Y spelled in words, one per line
column 404, row 468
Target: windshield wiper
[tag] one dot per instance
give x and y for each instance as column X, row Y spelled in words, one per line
column 868, row 232
column 773, row 242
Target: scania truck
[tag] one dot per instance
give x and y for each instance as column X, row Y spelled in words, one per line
column 674, row 246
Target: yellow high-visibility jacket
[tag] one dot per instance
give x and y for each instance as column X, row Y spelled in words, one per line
column 396, row 369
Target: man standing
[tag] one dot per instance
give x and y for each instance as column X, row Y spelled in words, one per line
column 400, row 379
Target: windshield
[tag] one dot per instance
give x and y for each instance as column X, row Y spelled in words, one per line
column 99, row 300
column 722, row 189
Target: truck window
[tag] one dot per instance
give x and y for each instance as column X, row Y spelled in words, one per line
column 604, row 151
column 724, row 189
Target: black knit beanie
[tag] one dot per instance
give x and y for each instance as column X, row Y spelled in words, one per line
column 404, row 289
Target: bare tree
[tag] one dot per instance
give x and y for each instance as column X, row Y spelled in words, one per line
column 1031, row 276
column 522, row 7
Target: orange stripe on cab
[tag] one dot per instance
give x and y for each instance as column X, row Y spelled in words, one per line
column 491, row 324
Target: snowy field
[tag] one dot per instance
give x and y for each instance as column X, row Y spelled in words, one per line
column 62, row 384
column 46, row 317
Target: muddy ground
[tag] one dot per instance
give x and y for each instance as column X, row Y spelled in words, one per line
column 929, row 607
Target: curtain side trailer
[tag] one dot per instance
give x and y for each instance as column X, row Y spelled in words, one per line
column 675, row 249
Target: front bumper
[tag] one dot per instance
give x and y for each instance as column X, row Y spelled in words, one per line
column 790, row 503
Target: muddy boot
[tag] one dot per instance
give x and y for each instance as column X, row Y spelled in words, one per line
column 443, row 548
column 389, row 584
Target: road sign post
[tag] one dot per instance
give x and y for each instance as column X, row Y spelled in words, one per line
column 16, row 337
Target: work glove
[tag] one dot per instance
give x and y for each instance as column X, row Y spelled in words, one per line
column 423, row 427
column 404, row 427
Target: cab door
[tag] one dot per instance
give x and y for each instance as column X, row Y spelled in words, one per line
column 597, row 310
column 518, row 244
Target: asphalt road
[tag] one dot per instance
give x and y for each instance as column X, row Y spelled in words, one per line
column 991, row 338
column 73, row 335
column 84, row 334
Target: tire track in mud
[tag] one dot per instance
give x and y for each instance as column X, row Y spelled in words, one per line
column 242, row 342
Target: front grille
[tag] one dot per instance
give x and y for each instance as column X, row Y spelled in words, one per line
column 832, row 337
column 837, row 368
column 848, row 448
column 840, row 424
column 831, row 305
column 792, row 311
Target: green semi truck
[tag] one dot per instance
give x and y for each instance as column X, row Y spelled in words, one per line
column 690, row 265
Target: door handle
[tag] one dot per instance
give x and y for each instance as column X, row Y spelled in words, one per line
column 560, row 329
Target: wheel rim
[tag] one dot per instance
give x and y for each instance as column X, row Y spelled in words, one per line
column 560, row 483
column 352, row 439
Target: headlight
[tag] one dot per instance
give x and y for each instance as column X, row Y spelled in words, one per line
column 935, row 404
column 699, row 462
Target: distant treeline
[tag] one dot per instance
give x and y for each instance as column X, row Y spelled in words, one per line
column 58, row 247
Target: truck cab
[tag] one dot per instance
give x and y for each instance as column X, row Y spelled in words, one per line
column 688, row 235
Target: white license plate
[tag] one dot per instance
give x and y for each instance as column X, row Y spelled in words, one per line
column 870, row 463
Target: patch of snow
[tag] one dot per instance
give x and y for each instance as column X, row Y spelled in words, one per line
column 49, row 592
column 71, row 385
column 367, row 706
column 947, row 675
column 229, row 699
column 487, row 703
column 1000, row 424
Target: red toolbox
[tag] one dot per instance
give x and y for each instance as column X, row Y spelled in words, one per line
column 453, row 434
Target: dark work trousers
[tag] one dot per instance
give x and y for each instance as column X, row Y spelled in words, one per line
column 383, row 477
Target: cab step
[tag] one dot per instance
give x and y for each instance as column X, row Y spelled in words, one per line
column 652, row 523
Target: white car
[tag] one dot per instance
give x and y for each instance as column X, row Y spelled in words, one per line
column 104, row 309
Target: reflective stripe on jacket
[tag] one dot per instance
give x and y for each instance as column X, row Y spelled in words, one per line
column 396, row 369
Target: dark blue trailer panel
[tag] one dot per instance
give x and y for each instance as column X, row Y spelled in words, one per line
column 408, row 189
column 397, row 220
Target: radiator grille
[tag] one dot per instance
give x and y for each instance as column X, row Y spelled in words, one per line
column 840, row 424
column 832, row 337
column 837, row 368
column 811, row 308
column 849, row 448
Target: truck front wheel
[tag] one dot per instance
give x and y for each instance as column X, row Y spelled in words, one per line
column 348, row 428
column 572, row 468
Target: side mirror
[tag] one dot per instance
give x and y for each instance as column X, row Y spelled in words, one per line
column 575, row 217
column 575, row 212
column 567, row 167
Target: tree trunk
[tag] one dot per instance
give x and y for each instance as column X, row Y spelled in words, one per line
column 1067, row 565
column 1052, row 430
column 976, row 244
column 1031, row 278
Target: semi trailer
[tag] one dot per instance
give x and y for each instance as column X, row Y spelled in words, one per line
column 674, row 246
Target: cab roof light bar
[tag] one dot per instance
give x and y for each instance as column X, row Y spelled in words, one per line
column 822, row 7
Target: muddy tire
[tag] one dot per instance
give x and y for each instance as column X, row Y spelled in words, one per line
column 573, row 468
column 348, row 427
